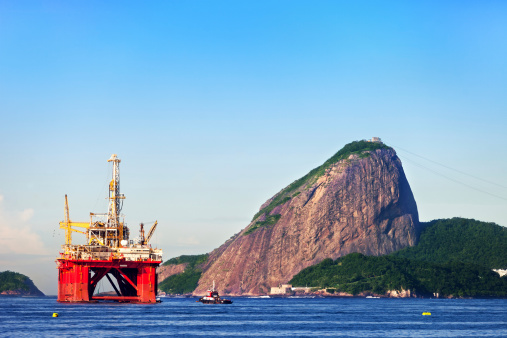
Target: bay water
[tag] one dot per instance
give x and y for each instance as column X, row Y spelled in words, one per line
column 257, row 317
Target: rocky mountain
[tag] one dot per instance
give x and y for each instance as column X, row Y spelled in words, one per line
column 16, row 284
column 165, row 271
column 357, row 201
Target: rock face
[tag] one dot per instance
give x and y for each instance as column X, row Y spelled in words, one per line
column 165, row 271
column 360, row 203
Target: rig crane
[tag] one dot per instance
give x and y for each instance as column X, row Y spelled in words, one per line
column 67, row 224
column 145, row 240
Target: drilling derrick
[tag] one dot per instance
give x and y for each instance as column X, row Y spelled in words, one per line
column 128, row 265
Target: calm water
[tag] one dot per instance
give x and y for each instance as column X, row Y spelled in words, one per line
column 276, row 317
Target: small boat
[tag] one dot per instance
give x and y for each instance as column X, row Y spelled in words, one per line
column 212, row 297
column 372, row 297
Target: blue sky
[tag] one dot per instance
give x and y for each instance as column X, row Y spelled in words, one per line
column 214, row 106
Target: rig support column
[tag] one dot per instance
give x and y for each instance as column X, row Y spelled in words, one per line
column 147, row 283
column 73, row 282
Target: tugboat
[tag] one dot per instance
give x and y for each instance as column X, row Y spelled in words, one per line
column 212, row 297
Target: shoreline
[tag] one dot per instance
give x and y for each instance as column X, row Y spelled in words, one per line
column 312, row 296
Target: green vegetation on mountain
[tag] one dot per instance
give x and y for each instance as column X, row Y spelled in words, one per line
column 184, row 282
column 356, row 273
column 356, row 147
column 192, row 260
column 454, row 257
column 13, row 281
column 270, row 220
column 463, row 240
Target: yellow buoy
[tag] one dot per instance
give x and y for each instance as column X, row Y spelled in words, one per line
column 55, row 314
column 426, row 313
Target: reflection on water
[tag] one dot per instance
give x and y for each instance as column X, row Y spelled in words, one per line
column 275, row 317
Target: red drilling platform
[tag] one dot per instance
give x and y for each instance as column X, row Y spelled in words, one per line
column 129, row 265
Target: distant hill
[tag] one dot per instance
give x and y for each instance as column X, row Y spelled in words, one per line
column 462, row 240
column 356, row 273
column 454, row 257
column 13, row 283
column 184, row 273
column 192, row 260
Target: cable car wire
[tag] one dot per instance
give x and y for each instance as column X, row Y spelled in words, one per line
column 451, row 179
column 450, row 168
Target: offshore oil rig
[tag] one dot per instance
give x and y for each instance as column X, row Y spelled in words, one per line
column 129, row 265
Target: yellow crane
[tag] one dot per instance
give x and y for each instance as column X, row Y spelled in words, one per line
column 67, row 224
column 144, row 240
column 150, row 233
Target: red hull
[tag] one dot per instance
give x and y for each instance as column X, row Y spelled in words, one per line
column 136, row 281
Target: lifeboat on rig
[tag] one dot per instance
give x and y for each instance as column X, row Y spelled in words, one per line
column 212, row 297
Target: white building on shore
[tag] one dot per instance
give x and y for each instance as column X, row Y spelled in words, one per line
column 282, row 289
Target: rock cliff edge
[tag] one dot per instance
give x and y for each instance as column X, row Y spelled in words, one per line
column 356, row 202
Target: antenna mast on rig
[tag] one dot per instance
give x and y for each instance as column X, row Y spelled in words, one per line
column 115, row 205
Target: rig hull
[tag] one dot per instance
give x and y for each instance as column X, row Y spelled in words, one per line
column 136, row 281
